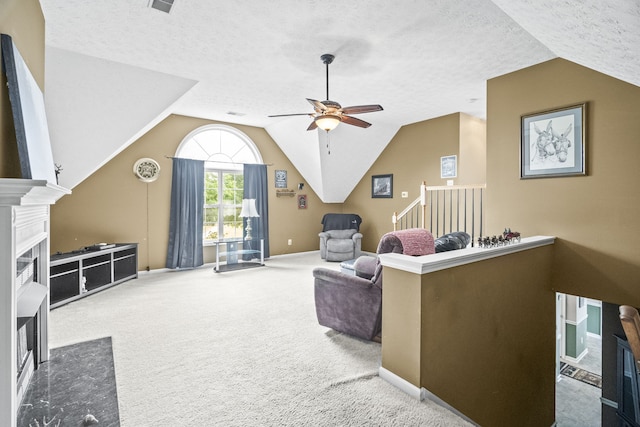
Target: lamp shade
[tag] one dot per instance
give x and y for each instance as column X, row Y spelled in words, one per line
column 249, row 208
column 327, row 122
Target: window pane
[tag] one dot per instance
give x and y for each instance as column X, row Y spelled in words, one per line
column 239, row 178
column 211, row 223
column 193, row 150
column 211, row 188
column 232, row 193
column 232, row 221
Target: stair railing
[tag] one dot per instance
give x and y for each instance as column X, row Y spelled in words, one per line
column 445, row 209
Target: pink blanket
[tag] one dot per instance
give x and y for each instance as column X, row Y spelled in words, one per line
column 416, row 241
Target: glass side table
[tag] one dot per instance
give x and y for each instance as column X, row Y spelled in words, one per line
column 236, row 247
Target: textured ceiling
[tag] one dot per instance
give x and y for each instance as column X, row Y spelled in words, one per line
column 419, row 59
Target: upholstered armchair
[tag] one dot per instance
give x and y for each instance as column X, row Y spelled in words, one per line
column 340, row 245
column 353, row 304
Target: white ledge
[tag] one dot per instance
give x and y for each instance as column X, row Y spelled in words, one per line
column 441, row 261
column 22, row 192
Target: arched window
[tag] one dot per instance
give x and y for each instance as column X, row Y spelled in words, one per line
column 225, row 150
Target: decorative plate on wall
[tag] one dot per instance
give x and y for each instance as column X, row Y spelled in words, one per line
column 147, row 170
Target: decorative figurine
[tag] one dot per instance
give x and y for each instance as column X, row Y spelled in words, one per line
column 508, row 237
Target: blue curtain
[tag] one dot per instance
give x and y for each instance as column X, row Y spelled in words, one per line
column 185, row 221
column 256, row 187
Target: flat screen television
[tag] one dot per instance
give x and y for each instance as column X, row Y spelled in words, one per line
column 30, row 120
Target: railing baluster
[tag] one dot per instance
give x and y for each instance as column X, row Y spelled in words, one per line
column 431, row 210
column 465, row 210
column 450, row 211
column 458, row 209
column 481, row 210
column 473, row 215
column 437, row 212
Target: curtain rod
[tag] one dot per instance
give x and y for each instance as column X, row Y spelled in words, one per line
column 218, row 161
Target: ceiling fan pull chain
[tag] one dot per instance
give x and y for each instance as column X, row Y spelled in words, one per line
column 328, row 143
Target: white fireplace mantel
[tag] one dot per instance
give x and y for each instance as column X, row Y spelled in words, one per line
column 24, row 192
column 24, row 225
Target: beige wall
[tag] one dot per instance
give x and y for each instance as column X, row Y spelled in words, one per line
column 112, row 205
column 472, row 161
column 413, row 156
column 479, row 336
column 24, row 22
column 488, row 339
column 595, row 217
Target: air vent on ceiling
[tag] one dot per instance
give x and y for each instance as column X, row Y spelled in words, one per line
column 162, row 5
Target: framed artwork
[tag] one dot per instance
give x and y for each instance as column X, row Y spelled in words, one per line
column 382, row 186
column 29, row 116
column 302, row 201
column 281, row 179
column 448, row 167
column 553, row 143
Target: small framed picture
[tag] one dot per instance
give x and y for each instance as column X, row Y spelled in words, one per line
column 552, row 143
column 281, row 179
column 302, row 201
column 382, row 186
column 449, row 167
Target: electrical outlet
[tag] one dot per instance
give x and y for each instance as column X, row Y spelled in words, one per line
column 290, row 242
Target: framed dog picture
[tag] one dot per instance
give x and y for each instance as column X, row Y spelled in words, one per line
column 553, row 143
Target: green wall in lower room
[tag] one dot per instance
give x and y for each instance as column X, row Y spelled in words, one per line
column 570, row 339
column 575, row 338
column 594, row 319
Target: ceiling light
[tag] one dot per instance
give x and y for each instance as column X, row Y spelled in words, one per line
column 327, row 122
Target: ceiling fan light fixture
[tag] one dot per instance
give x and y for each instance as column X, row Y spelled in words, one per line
column 327, row 122
column 328, row 114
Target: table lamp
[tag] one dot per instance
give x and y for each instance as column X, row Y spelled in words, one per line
column 248, row 211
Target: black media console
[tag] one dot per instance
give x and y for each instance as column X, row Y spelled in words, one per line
column 77, row 274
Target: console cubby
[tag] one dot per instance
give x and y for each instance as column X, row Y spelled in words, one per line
column 77, row 274
column 125, row 263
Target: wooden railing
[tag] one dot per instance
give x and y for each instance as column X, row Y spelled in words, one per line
column 445, row 209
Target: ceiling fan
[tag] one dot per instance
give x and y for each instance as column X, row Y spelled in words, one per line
column 328, row 114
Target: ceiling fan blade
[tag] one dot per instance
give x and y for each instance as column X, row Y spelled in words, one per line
column 312, row 126
column 359, row 109
column 319, row 106
column 285, row 115
column 355, row 122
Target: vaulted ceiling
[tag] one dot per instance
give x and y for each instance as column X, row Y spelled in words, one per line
column 116, row 68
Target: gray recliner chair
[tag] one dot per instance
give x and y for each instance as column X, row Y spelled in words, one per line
column 340, row 245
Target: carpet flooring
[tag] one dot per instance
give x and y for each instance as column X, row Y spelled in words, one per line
column 239, row 348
